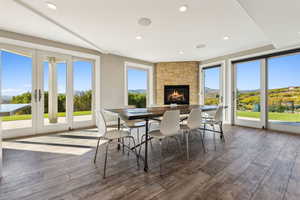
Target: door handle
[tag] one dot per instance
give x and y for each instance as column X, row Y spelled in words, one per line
column 35, row 95
column 40, row 94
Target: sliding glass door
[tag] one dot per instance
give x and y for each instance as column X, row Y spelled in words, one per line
column 267, row 92
column 284, row 92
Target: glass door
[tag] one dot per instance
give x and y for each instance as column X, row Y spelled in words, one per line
column 54, row 93
column 18, row 87
column 284, row 92
column 212, row 85
column 249, row 94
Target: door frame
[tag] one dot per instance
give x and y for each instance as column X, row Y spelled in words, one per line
column 149, row 69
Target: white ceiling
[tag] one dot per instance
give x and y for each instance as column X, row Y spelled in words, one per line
column 111, row 25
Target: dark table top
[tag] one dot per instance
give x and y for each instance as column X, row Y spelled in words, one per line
column 152, row 112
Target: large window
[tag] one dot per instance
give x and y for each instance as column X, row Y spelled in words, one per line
column 284, row 89
column 137, row 80
column 212, row 92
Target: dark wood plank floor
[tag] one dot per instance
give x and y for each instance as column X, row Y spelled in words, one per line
column 252, row 164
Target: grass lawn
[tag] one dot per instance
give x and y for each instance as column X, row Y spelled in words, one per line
column 288, row 117
column 26, row 117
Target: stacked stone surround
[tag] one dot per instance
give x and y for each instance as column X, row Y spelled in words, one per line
column 177, row 73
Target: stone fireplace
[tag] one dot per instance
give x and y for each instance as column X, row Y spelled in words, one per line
column 176, row 94
column 177, row 74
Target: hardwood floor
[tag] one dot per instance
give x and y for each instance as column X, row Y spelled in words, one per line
column 252, row 164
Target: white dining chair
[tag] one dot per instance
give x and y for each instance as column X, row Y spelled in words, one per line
column 169, row 128
column 194, row 123
column 109, row 136
column 216, row 120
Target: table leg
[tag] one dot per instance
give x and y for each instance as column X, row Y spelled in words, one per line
column 119, row 127
column 146, row 147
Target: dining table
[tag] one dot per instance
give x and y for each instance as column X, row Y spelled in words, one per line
column 152, row 113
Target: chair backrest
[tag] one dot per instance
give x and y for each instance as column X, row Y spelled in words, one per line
column 170, row 123
column 219, row 114
column 100, row 122
column 194, row 120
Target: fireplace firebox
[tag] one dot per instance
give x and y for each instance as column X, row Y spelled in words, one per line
column 177, row 94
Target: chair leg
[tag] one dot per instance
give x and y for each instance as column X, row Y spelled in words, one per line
column 161, row 157
column 97, row 150
column 105, row 161
column 187, row 145
column 123, row 145
column 129, row 141
column 222, row 133
column 178, row 144
column 135, row 151
column 138, row 135
column 214, row 136
column 202, row 141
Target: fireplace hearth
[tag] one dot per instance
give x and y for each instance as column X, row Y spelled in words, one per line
column 177, row 94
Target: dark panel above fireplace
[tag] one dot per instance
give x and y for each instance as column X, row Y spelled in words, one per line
column 177, row 94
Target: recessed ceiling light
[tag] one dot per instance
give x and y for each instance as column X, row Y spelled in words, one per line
column 51, row 5
column 226, row 38
column 139, row 37
column 181, row 52
column 199, row 46
column 183, row 8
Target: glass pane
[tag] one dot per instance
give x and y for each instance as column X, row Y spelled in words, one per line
column 16, row 87
column 55, row 98
column 137, row 87
column 212, row 86
column 284, row 90
column 83, row 71
column 248, row 90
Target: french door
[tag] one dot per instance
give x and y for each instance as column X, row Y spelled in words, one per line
column 249, row 93
column 54, row 92
column 59, row 89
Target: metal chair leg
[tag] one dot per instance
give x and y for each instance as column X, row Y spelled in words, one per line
column 97, row 150
column 105, row 161
column 138, row 135
column 202, row 141
column 222, row 133
column 214, row 136
column 187, row 145
column 135, row 151
column 161, row 158
column 129, row 141
column 178, row 144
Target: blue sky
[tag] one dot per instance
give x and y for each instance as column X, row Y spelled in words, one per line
column 137, row 79
column 17, row 74
column 212, row 78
